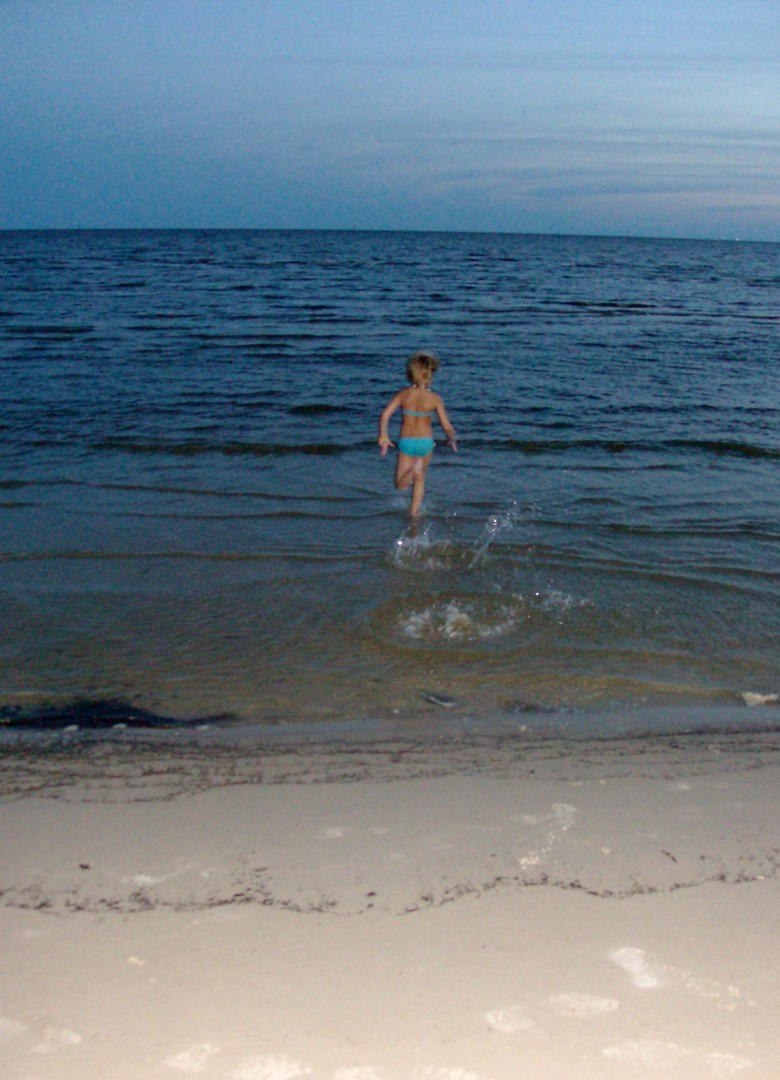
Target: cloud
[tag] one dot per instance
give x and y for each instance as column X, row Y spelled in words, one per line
column 391, row 114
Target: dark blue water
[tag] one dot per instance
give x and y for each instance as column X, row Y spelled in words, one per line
column 194, row 516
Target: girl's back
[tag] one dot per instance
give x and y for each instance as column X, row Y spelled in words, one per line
column 418, row 406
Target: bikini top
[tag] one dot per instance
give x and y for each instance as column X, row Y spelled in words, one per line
column 411, row 412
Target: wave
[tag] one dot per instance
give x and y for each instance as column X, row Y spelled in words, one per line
column 57, row 330
column 193, row 448
column 728, row 447
column 715, row 447
column 315, row 410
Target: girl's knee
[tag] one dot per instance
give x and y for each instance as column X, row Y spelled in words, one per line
column 403, row 479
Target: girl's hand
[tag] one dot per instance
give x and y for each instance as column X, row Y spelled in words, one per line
column 453, row 442
column 384, row 446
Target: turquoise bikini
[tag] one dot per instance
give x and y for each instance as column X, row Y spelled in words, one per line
column 416, row 445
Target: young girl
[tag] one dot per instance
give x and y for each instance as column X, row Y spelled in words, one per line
column 415, row 446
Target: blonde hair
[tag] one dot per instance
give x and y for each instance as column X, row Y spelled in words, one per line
column 421, row 368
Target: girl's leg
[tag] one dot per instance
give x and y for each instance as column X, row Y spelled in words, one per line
column 418, row 491
column 411, row 471
column 404, row 471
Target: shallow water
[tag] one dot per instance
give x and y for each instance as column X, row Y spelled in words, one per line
column 194, row 516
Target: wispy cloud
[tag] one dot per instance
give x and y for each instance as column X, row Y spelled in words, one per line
column 659, row 114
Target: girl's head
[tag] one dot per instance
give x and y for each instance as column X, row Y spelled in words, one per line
column 421, row 368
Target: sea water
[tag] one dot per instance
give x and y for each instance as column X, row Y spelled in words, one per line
column 195, row 518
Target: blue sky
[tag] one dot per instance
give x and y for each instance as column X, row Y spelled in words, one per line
column 655, row 118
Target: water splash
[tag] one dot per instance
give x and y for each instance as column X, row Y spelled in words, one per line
column 484, row 617
column 495, row 525
column 462, row 619
column 418, row 549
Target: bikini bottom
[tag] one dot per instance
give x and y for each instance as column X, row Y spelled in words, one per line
column 415, row 446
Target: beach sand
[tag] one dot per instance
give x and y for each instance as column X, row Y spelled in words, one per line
column 487, row 908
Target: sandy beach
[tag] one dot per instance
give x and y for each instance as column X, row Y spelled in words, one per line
column 464, row 908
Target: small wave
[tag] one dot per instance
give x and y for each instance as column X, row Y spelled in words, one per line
column 715, row 447
column 197, row 447
column 547, row 446
column 314, row 410
column 728, row 448
column 603, row 307
column 52, row 331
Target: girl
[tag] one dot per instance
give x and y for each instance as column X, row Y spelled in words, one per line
column 415, row 446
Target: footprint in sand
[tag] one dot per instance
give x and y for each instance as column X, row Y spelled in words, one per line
column 271, row 1067
column 647, row 974
column 581, row 1006
column 509, row 1020
column 635, row 962
column 193, row 1059
column 561, row 819
column 54, row 1039
column 654, row 1054
column 565, row 815
column 724, row 1065
column 573, row 1005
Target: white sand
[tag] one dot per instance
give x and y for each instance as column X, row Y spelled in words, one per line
column 448, row 912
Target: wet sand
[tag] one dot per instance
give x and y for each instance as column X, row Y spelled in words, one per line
column 471, row 908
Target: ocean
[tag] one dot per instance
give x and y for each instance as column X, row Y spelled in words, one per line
column 196, row 524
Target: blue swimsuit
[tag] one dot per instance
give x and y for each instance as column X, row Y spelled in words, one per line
column 416, row 445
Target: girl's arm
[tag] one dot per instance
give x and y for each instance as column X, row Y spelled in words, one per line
column 384, row 439
column 444, row 420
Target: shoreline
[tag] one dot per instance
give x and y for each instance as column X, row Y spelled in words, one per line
column 480, row 907
column 435, row 713
column 190, row 757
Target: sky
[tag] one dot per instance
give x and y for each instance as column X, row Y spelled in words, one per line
column 605, row 117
